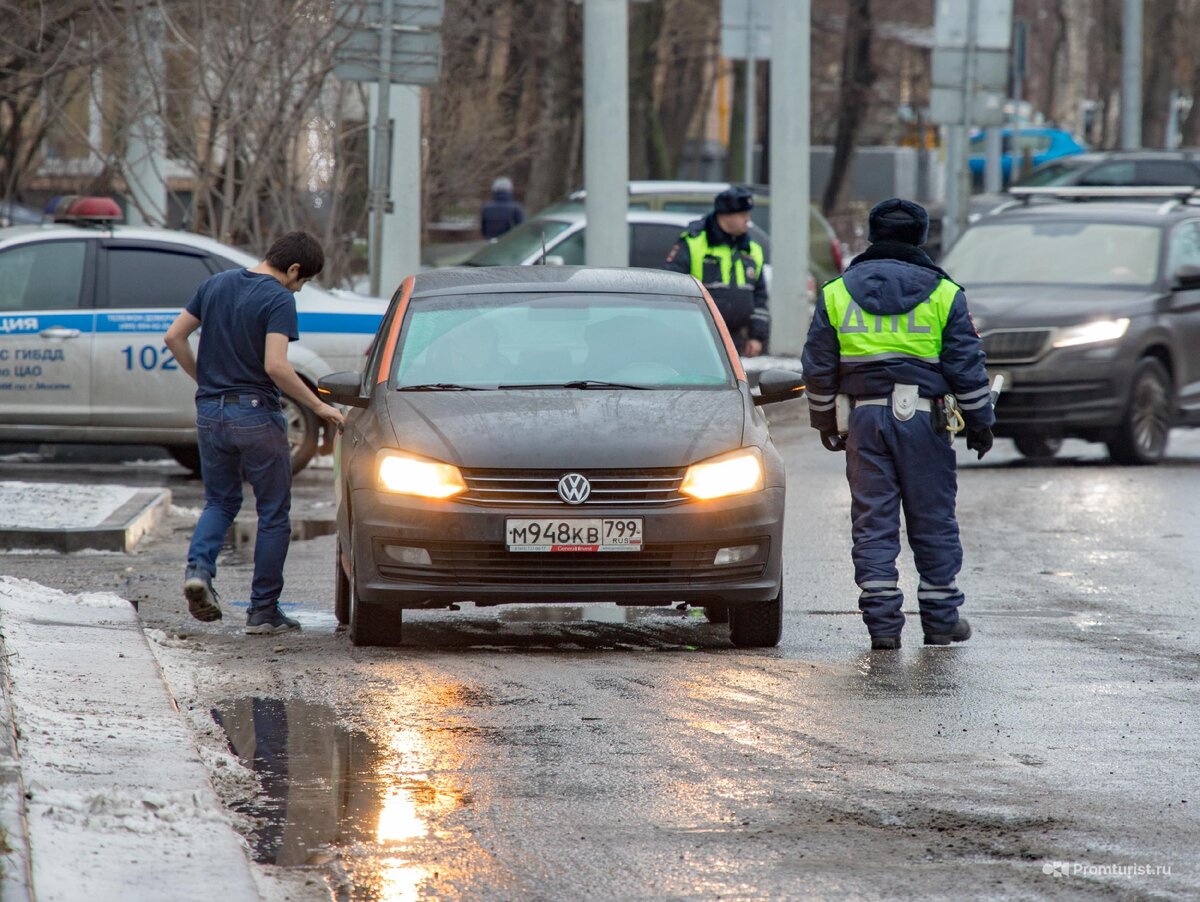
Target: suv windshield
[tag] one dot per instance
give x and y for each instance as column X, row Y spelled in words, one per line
column 519, row 340
column 514, row 246
column 1065, row 252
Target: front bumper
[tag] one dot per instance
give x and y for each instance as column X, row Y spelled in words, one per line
column 470, row 562
column 1070, row 392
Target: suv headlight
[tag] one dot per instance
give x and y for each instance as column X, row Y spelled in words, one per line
column 409, row 474
column 735, row 473
column 1091, row 333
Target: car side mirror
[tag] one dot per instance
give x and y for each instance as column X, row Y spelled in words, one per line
column 342, row 388
column 778, row 385
column 1186, row 278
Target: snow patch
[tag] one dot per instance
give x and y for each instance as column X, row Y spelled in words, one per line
column 51, row 505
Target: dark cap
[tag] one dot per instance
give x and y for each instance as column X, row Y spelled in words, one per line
column 897, row 219
column 734, row 199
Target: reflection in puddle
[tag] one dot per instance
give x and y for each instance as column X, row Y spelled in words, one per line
column 323, row 785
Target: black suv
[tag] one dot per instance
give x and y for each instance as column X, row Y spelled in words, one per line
column 1099, row 169
column 1092, row 311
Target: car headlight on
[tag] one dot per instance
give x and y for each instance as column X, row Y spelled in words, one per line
column 735, row 473
column 409, row 474
column 1091, row 333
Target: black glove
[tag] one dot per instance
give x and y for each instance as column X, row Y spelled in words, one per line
column 980, row 440
column 833, row 440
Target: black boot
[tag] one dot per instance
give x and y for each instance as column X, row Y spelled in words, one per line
column 884, row 642
column 960, row 633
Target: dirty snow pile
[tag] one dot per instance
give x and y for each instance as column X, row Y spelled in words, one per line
column 118, row 800
column 51, row 505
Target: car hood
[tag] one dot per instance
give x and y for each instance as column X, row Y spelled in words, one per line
column 1031, row 306
column 562, row 428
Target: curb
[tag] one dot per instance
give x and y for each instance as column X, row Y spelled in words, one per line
column 120, row 531
column 116, row 797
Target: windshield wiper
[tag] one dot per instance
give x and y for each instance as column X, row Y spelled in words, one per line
column 577, row 383
column 442, row 386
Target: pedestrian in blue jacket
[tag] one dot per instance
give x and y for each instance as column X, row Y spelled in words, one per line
column 894, row 336
column 502, row 212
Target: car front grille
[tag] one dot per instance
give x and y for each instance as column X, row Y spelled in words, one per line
column 487, row 565
column 610, row 488
column 1015, row 345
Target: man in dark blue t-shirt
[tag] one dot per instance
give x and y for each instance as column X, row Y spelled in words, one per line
column 248, row 318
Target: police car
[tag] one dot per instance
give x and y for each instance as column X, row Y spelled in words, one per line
column 84, row 305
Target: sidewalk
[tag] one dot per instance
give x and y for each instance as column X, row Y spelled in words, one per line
column 116, row 804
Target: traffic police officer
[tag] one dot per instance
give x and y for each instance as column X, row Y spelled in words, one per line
column 893, row 334
column 719, row 252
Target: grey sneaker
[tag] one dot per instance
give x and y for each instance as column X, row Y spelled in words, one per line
column 203, row 602
column 269, row 622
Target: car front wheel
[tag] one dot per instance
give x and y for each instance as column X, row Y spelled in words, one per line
column 371, row 624
column 1142, row 436
column 757, row 625
column 341, row 588
column 303, row 432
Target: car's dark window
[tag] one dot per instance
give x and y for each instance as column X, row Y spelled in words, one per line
column 551, row 339
column 649, row 244
column 1049, row 174
column 1112, row 174
column 147, row 277
column 1056, row 252
column 1166, row 172
column 572, row 249
column 1185, row 247
column 43, row 276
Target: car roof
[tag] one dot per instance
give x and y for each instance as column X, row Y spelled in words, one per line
column 530, row 279
column 135, row 233
column 633, row 216
column 668, row 186
column 1140, row 212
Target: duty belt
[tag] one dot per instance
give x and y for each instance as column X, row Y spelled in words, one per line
column 921, row 403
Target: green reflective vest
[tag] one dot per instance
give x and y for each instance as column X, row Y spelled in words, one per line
column 733, row 270
column 864, row 336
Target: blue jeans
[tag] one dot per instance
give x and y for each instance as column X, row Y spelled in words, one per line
column 244, row 435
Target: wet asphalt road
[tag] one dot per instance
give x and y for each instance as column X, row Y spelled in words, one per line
column 524, row 753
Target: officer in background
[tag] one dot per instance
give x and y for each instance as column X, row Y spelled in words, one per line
column 719, row 252
column 502, row 212
column 894, row 335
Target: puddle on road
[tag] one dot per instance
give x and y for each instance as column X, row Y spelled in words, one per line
column 328, row 792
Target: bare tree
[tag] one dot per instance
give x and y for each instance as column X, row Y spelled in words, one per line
column 857, row 77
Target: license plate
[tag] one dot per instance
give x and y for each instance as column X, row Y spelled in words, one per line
column 593, row 534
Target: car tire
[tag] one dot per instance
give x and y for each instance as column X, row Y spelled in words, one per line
column 303, row 432
column 187, row 456
column 1038, row 447
column 1143, row 434
column 341, row 588
column 378, row 625
column 757, row 624
column 716, row 613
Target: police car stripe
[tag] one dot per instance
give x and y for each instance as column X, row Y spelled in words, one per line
column 158, row 321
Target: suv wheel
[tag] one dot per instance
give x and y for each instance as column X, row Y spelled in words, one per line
column 341, row 587
column 303, row 432
column 716, row 613
column 1038, row 447
column 1142, row 436
column 758, row 624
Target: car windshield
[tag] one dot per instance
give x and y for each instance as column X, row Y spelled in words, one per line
column 547, row 340
column 514, row 247
column 1055, row 252
column 1049, row 175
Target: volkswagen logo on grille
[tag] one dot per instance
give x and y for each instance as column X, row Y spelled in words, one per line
column 574, row 488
